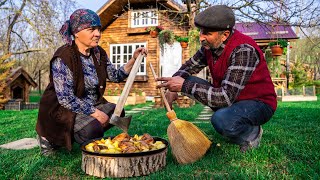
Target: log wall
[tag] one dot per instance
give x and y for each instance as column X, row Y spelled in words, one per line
column 120, row 32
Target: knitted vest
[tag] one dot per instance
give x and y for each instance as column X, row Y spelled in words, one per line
column 259, row 86
column 54, row 121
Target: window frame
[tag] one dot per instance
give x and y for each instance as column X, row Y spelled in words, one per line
column 140, row 22
column 126, row 56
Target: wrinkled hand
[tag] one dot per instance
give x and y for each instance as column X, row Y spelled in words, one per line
column 102, row 117
column 171, row 96
column 139, row 50
column 173, row 84
column 128, row 66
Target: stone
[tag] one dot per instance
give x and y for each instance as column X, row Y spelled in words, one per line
column 25, row 143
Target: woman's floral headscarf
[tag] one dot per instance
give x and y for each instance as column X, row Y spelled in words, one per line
column 79, row 20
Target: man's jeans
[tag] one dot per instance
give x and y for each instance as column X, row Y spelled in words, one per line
column 239, row 122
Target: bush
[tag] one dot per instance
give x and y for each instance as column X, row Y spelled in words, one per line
column 299, row 74
column 182, row 39
column 282, row 42
column 154, row 28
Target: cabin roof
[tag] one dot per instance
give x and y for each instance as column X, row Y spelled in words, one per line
column 259, row 31
column 16, row 73
column 109, row 11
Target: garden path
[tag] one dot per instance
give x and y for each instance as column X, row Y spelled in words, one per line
column 204, row 116
column 139, row 110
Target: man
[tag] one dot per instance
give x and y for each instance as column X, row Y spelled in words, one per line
column 241, row 93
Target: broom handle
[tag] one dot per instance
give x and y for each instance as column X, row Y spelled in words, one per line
column 161, row 89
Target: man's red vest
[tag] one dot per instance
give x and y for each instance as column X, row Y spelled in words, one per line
column 259, row 86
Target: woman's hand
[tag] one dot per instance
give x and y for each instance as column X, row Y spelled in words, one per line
column 141, row 50
column 128, row 66
column 102, row 117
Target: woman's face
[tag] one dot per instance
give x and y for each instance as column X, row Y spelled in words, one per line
column 89, row 37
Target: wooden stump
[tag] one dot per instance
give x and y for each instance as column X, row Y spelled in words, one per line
column 104, row 166
column 158, row 102
column 185, row 102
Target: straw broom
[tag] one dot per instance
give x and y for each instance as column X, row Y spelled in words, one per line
column 188, row 143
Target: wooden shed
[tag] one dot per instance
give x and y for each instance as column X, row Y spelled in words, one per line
column 123, row 30
column 19, row 83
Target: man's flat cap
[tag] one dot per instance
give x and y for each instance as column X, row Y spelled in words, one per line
column 215, row 18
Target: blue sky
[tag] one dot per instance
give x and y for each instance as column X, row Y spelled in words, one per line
column 91, row 4
column 94, row 4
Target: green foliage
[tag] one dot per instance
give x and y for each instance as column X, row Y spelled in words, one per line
column 282, row 42
column 138, row 91
column 166, row 36
column 316, row 83
column 299, row 75
column 154, row 28
column 307, row 51
column 5, row 65
column 109, row 92
column 182, row 38
column 194, row 43
column 292, row 154
column 274, row 66
column 35, row 96
column 113, row 92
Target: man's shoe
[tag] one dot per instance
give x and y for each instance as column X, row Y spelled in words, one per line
column 45, row 146
column 252, row 144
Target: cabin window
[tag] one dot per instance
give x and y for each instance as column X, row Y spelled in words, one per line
column 143, row 18
column 120, row 54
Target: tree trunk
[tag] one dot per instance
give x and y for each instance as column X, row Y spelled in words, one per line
column 10, row 27
column 104, row 166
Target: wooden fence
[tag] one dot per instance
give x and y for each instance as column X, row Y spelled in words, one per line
column 20, row 106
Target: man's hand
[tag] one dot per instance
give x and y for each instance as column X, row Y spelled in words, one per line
column 101, row 117
column 174, row 84
column 171, row 96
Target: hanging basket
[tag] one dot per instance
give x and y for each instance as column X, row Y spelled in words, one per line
column 154, row 34
column 184, row 44
column 276, row 50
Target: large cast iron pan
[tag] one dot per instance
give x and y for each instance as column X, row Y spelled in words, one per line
column 124, row 154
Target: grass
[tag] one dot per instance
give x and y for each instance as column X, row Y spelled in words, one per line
column 34, row 96
column 289, row 148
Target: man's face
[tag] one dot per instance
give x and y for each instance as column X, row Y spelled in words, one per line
column 212, row 39
column 89, row 37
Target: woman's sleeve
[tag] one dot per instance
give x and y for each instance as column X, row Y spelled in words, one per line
column 115, row 75
column 63, row 84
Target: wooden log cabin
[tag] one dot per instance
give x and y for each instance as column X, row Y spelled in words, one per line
column 123, row 30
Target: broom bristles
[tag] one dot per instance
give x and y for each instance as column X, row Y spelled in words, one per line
column 187, row 141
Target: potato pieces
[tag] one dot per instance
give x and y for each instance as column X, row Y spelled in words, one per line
column 123, row 143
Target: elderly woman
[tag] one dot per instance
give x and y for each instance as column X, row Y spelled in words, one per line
column 72, row 107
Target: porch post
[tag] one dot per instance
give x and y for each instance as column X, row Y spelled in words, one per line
column 288, row 66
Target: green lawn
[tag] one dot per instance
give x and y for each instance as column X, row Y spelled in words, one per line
column 290, row 148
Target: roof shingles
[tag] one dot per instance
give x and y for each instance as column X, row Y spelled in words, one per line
column 259, row 31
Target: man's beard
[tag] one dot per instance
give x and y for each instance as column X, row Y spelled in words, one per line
column 206, row 43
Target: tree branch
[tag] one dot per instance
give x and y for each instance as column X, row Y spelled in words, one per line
column 10, row 27
column 3, row 2
column 26, row 51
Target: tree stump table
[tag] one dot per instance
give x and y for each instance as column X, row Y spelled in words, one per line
column 121, row 167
